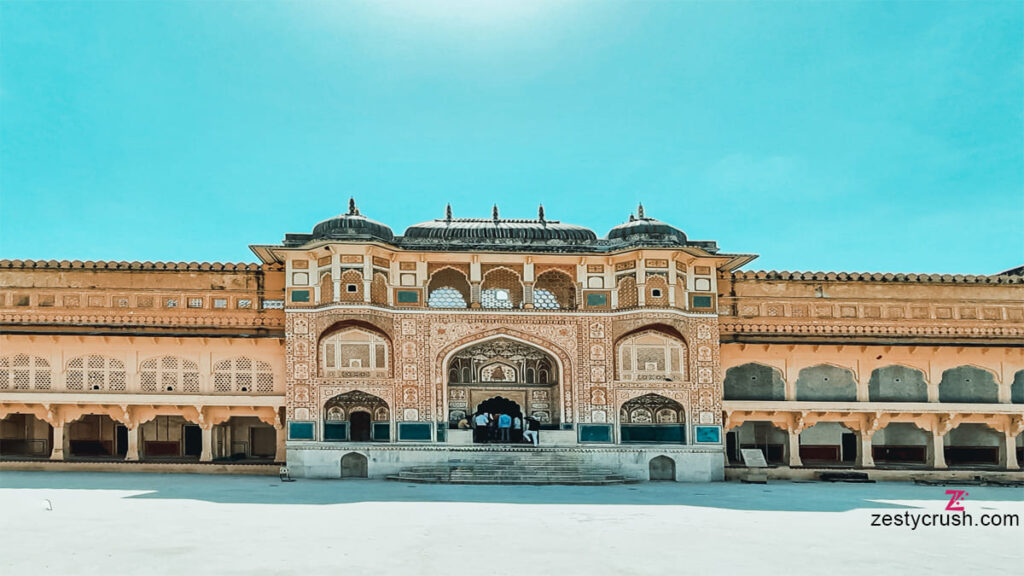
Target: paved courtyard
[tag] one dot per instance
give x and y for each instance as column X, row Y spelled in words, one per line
column 178, row 524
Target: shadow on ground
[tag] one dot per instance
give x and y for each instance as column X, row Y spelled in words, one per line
column 777, row 496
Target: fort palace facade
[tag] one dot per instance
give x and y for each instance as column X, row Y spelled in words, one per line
column 352, row 351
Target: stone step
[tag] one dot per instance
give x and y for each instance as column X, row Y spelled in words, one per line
column 529, row 482
column 536, row 471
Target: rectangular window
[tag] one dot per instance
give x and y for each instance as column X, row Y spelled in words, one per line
column 597, row 299
column 195, row 302
column 702, row 301
column 245, row 303
column 596, row 433
column 171, row 303
column 414, row 431
column 300, row 430
column 407, row 296
column 300, row 278
column 220, row 302
column 300, row 295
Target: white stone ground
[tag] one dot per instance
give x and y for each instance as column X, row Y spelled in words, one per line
column 189, row 524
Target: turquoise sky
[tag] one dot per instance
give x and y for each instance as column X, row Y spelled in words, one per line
column 859, row 136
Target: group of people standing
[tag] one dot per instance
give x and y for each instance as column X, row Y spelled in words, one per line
column 504, row 428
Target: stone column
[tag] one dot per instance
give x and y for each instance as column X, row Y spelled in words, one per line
column 1011, row 451
column 528, row 295
column 938, row 450
column 133, row 444
column 474, row 295
column 282, row 453
column 865, row 457
column 367, row 276
column 57, row 450
column 794, row 448
column 641, row 282
column 207, row 453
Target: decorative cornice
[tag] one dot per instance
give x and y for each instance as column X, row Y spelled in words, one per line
column 877, row 277
column 861, row 329
column 174, row 321
column 134, row 265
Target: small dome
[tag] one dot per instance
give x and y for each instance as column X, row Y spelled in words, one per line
column 351, row 226
column 641, row 229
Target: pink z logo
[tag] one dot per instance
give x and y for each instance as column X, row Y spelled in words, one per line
column 956, row 498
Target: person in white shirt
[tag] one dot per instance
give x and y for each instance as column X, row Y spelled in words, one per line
column 480, row 428
column 532, row 432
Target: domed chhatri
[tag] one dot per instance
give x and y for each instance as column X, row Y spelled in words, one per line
column 351, row 226
column 498, row 230
column 642, row 229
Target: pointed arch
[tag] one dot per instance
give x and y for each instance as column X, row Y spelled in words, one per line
column 652, row 352
column 379, row 289
column 351, row 285
column 355, row 350
column 969, row 384
column 553, row 290
column 501, row 288
column 897, row 383
column 563, row 365
column 448, row 287
column 826, row 383
column 754, row 381
column 627, row 292
column 326, row 288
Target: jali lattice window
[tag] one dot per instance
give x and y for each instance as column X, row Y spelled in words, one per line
column 169, row 374
column 651, row 356
column 24, row 372
column 96, row 374
column 243, row 375
column 355, row 352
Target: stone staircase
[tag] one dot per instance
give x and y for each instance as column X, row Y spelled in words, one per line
column 527, row 467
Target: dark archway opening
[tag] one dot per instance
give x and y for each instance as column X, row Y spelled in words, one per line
column 361, row 426
column 353, row 465
column 662, row 469
column 500, row 405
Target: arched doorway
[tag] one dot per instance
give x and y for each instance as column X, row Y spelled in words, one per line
column 353, row 465
column 652, row 419
column 357, row 416
column 662, row 469
column 524, row 377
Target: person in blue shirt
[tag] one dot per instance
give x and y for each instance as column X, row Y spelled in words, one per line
column 504, row 427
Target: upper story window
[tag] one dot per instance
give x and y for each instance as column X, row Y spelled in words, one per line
column 169, row 374
column 96, row 373
column 651, row 355
column 243, row 375
column 24, row 372
column 354, row 352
